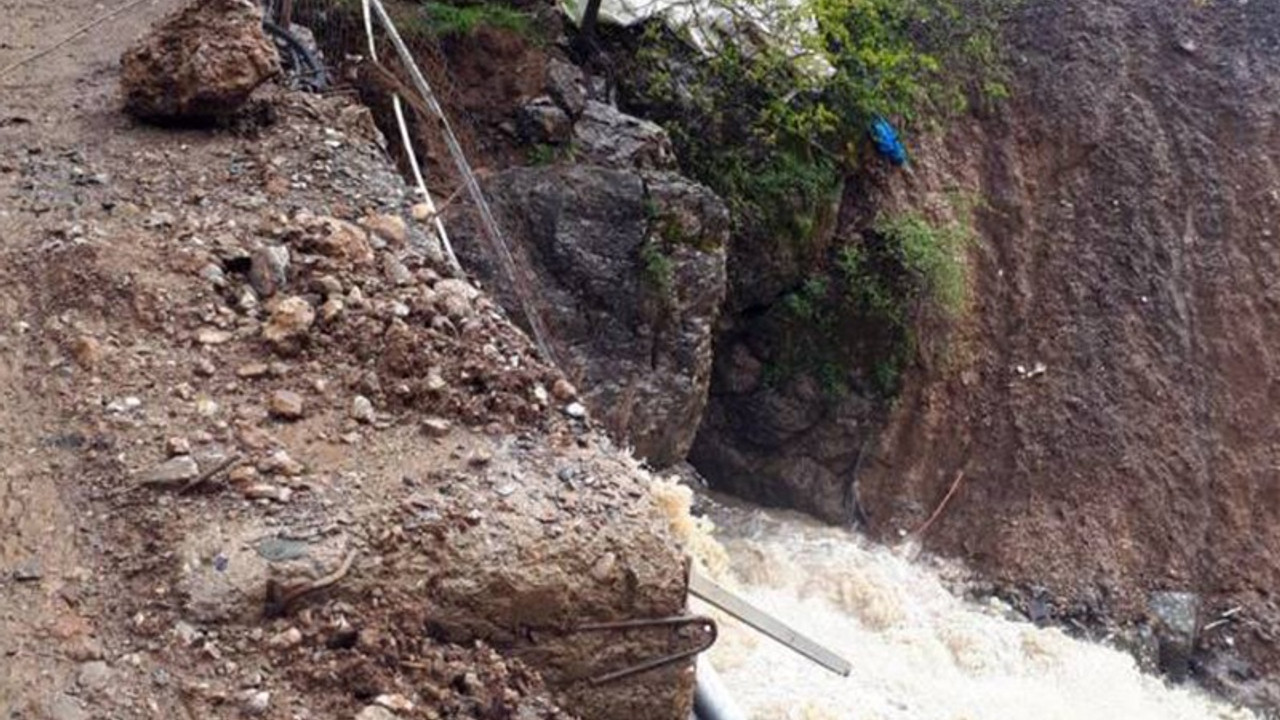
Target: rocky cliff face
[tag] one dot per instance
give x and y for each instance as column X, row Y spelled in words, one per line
column 624, row 257
column 1110, row 403
column 629, row 269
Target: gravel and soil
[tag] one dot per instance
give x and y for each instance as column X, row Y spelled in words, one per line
column 262, row 455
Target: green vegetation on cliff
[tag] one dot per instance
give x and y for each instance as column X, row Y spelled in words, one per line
column 904, row 274
column 447, row 19
column 776, row 128
column 773, row 128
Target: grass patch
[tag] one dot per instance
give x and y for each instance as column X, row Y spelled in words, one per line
column 461, row 20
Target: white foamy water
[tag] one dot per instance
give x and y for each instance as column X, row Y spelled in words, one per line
column 918, row 651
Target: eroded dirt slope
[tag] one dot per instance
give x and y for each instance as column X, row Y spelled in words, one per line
column 1130, row 246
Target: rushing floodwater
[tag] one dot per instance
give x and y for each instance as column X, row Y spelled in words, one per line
column 918, row 651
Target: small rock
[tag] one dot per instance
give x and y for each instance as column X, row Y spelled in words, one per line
column 124, row 404
column 279, row 463
column 252, row 370
column 286, row 639
column 604, row 566
column 205, row 367
column 342, row 240
column 248, row 300
column 213, row 273
column 85, row 648
column 289, row 322
column 331, row 309
column 213, row 336
column 257, row 703
column 436, row 427
column 1177, row 628
column 343, row 635
column 174, row 470
column 242, row 475
column 567, row 86
column 442, row 324
column 329, row 285
column 421, row 212
column 362, row 409
column 543, row 122
column 435, row 380
column 611, row 138
column 267, row 491
column 186, row 632
column 175, row 446
column 28, row 571
column 563, row 391
column 87, row 352
column 540, row 394
column 391, row 228
column 65, row 707
column 375, row 712
column 575, row 410
column 268, row 269
column 286, row 405
column 454, row 286
column 94, row 676
column 206, row 407
column 396, row 272
column 396, row 702
column 455, row 307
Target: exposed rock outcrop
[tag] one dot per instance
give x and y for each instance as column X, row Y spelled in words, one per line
column 200, row 63
column 630, row 270
column 609, row 137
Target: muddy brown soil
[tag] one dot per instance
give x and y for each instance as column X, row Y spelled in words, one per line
column 1129, row 246
column 262, row 455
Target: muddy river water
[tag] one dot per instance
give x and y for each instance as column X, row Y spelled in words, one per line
column 919, row 651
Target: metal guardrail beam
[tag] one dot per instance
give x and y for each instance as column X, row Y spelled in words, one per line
column 707, row 589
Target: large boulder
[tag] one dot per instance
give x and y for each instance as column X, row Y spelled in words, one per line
column 198, row 64
column 629, row 270
column 607, row 136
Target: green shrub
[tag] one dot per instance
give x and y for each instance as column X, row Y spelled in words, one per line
column 446, row 20
column 901, row 277
column 658, row 268
column 928, row 258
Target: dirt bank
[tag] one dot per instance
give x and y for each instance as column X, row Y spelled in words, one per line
column 262, row 455
column 1129, row 247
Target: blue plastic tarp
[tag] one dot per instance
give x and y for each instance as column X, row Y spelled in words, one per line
column 887, row 143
